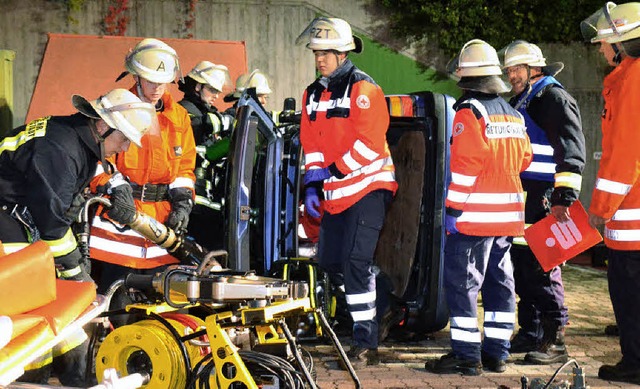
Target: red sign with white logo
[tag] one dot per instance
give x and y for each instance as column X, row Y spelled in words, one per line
column 553, row 242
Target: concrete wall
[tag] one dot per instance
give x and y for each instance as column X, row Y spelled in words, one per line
column 269, row 29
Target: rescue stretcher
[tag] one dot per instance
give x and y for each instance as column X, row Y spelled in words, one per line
column 39, row 312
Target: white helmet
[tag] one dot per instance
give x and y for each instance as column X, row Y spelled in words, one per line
column 216, row 76
column 478, row 58
column 154, row 61
column 255, row 79
column 121, row 110
column 617, row 23
column 524, row 53
column 330, row 34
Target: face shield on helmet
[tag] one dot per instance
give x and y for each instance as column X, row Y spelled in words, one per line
column 153, row 60
column 330, row 34
column 208, row 73
column 612, row 23
column 122, row 110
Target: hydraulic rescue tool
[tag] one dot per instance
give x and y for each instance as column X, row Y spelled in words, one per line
column 178, row 245
column 245, row 345
column 208, row 326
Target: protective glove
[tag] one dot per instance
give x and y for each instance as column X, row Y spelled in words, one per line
column 77, row 204
column 181, row 205
column 450, row 224
column 312, row 201
column 316, row 175
column 123, row 209
column 72, row 267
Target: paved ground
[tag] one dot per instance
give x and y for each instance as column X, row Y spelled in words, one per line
column 402, row 364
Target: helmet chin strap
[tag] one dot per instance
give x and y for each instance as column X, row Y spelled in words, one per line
column 617, row 58
column 93, row 125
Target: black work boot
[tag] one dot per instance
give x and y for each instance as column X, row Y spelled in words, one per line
column 552, row 349
column 360, row 357
column 523, row 343
column 451, row 364
column 621, row 372
column 493, row 363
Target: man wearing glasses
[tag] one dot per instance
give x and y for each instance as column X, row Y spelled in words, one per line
column 551, row 183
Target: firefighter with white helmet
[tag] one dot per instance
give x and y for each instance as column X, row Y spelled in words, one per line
column 552, row 183
column 256, row 79
column 45, row 166
column 202, row 87
column 348, row 165
column 616, row 197
column 160, row 172
column 489, row 149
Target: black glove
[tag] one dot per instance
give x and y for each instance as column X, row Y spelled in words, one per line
column 181, row 205
column 72, row 267
column 123, row 209
column 77, row 204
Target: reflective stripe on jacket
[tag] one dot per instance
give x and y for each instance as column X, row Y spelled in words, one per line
column 167, row 157
column 345, row 123
column 489, row 149
column 617, row 191
column 542, row 166
column 43, row 166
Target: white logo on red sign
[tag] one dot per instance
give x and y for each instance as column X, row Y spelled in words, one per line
column 566, row 234
column 363, row 102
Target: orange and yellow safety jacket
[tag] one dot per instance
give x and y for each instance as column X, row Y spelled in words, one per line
column 616, row 195
column 489, row 149
column 344, row 123
column 168, row 158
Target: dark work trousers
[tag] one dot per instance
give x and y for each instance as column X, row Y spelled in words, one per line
column 541, row 294
column 347, row 243
column 474, row 264
column 623, row 273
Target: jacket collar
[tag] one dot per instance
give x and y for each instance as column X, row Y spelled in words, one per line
column 338, row 75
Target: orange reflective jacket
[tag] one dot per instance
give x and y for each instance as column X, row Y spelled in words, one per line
column 346, row 125
column 616, row 195
column 490, row 147
column 165, row 158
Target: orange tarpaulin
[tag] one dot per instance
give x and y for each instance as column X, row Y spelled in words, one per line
column 553, row 242
column 89, row 65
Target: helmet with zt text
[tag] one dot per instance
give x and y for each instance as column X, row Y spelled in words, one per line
column 330, row 34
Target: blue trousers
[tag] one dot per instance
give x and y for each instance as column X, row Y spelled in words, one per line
column 475, row 264
column 623, row 274
column 346, row 247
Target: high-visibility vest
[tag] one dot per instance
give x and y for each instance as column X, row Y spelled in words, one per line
column 489, row 149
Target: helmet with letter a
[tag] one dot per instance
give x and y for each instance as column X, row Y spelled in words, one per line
column 153, row 60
